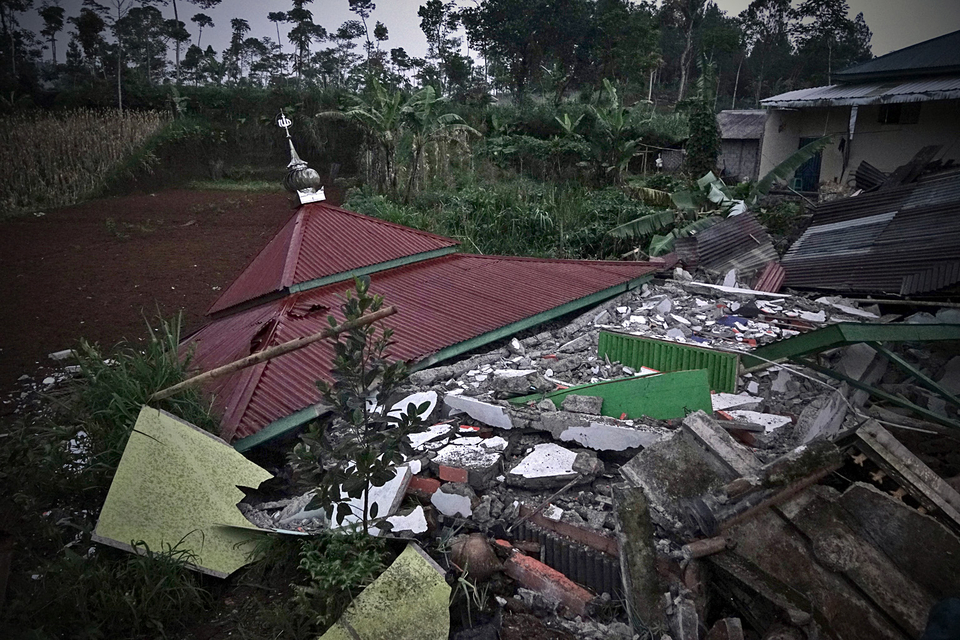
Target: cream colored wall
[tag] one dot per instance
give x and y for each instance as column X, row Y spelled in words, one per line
column 883, row 145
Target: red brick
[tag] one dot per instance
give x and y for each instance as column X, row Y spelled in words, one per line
column 454, row 474
column 423, row 487
column 548, row 582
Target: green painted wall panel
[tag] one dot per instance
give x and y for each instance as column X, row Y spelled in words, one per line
column 636, row 352
column 661, row 397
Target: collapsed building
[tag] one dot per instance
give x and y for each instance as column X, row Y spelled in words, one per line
column 718, row 460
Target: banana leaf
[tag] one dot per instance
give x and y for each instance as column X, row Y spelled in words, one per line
column 653, row 196
column 786, row 168
column 643, row 226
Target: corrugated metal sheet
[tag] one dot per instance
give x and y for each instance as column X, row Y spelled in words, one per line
column 442, row 301
column 636, row 352
column 322, row 240
column 920, row 90
column 912, row 248
column 771, row 278
column 737, row 242
column 744, row 124
column 937, row 55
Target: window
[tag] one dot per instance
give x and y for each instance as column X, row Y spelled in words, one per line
column 906, row 113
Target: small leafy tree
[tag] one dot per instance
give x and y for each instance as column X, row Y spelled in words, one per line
column 369, row 448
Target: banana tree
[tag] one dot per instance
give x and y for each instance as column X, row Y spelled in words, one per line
column 422, row 118
column 697, row 209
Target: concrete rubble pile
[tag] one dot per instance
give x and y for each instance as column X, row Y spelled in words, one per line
column 780, row 510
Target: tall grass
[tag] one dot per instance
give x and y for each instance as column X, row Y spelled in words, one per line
column 55, row 159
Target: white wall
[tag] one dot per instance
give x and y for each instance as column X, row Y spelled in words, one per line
column 885, row 146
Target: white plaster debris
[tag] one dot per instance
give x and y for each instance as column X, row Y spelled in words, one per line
column 742, row 292
column 552, row 512
column 467, row 456
column 545, row 461
column 400, row 408
column 429, row 439
column 753, row 387
column 610, row 437
column 837, row 303
column 723, row 401
column 387, row 498
column 513, row 373
column 489, row 414
column 768, row 421
column 413, row 522
column 819, row 316
column 451, row 504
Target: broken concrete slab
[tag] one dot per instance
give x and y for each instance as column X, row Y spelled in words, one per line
column 409, row 601
column 837, row 548
column 638, row 556
column 412, row 523
column 723, row 401
column 911, row 474
column 508, row 383
column 387, row 499
column 455, row 499
column 417, row 400
column 177, row 486
column 591, row 405
column 433, row 437
column 479, row 460
column 661, row 397
column 769, row 421
column 600, row 433
column 920, row 546
column 489, row 414
column 550, row 465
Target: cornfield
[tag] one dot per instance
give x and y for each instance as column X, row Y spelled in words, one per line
column 53, row 160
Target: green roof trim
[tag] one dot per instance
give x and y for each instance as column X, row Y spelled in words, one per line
column 373, row 268
column 279, row 427
column 661, row 396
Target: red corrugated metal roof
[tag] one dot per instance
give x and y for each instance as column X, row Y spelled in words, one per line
column 442, row 301
column 321, row 240
column 771, row 279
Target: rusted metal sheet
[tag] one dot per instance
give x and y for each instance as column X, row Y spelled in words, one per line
column 771, row 278
column 903, row 241
column 320, row 241
column 737, row 242
column 919, row 90
column 442, row 302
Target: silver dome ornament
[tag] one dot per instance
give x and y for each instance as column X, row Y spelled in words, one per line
column 300, row 178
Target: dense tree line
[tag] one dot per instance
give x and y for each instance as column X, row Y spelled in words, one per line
column 523, row 48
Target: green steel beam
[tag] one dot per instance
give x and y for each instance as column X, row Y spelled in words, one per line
column 843, row 333
column 922, row 379
column 526, row 323
column 374, row 268
column 661, row 397
column 279, row 427
column 879, row 393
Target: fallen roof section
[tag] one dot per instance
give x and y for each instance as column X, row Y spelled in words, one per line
column 901, row 240
column 447, row 306
column 736, row 242
column 323, row 244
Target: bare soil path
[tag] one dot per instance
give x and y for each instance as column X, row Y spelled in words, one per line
column 96, row 269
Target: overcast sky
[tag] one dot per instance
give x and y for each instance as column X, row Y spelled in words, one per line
column 895, row 23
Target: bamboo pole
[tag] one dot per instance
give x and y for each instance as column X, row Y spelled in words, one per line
column 272, row 352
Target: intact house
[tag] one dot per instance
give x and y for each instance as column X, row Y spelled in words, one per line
column 882, row 111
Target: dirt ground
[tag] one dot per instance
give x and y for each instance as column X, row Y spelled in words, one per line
column 96, row 269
